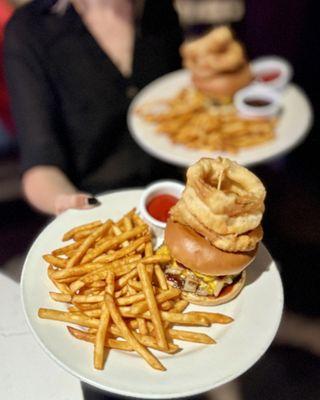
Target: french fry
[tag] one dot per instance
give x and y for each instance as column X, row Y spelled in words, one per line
column 55, row 261
column 141, row 307
column 146, row 340
column 62, row 297
column 128, row 335
column 160, row 277
column 113, row 242
column 101, row 335
column 101, row 274
column 131, row 291
column 79, row 298
column 87, row 306
column 153, row 306
column 66, row 249
column 127, row 223
column 77, row 271
column 90, row 337
column 80, row 236
column 124, row 301
column 110, row 283
column 188, row 336
column 121, row 292
column 93, row 313
column 121, row 253
column 86, row 244
column 167, row 305
column 215, row 317
column 135, row 284
column 190, row 318
column 148, row 251
column 125, row 278
column 64, row 288
column 69, row 235
column 100, row 338
column 142, row 326
column 64, row 316
column 180, row 306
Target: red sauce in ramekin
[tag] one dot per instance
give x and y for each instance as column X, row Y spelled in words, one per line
column 159, row 206
column 268, row 76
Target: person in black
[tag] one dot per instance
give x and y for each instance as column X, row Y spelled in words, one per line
column 71, row 76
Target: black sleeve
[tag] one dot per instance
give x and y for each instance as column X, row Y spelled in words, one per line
column 32, row 100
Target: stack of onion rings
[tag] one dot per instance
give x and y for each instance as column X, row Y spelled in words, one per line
column 224, row 202
column 217, row 62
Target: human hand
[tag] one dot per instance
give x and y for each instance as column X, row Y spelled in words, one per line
column 82, row 201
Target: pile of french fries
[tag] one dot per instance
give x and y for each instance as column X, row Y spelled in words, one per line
column 192, row 119
column 113, row 287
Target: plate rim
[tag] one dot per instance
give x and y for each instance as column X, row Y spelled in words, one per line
column 201, row 388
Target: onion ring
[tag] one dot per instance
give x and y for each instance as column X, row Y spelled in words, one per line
column 232, row 242
column 224, row 196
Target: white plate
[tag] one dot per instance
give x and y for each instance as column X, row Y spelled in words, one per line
column 198, row 368
column 291, row 130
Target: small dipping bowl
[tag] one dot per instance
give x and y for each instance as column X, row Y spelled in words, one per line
column 271, row 71
column 257, row 101
column 154, row 195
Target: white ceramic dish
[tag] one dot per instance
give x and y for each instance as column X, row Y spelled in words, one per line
column 157, row 188
column 273, row 63
column 260, row 93
column 292, row 128
column 198, row 368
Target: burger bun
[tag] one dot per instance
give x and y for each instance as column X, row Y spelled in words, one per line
column 198, row 254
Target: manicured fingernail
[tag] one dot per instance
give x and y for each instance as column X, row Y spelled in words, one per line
column 93, row 201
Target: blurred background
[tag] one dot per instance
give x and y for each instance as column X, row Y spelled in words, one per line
column 290, row 369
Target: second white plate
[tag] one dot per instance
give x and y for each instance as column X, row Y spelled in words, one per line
column 293, row 126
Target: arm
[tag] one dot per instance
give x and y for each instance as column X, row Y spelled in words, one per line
column 49, row 190
column 44, row 160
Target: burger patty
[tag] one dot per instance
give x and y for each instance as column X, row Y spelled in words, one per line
column 202, row 285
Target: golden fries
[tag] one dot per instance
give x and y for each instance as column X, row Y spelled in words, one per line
column 192, row 119
column 113, row 285
column 152, row 305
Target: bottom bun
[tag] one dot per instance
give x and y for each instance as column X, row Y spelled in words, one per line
column 230, row 293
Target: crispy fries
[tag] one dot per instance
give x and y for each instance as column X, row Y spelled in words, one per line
column 113, row 286
column 192, row 119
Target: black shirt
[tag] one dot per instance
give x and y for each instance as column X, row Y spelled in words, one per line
column 70, row 101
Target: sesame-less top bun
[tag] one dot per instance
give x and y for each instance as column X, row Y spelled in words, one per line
column 196, row 253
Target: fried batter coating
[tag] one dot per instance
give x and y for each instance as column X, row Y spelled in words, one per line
column 224, row 202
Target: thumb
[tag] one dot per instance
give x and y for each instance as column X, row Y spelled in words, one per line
column 75, row 200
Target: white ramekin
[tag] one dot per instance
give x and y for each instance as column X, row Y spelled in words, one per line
column 257, row 92
column 173, row 188
column 270, row 63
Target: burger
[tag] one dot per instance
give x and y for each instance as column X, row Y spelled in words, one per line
column 214, row 231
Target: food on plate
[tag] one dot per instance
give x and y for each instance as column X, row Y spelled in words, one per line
column 192, row 119
column 159, row 206
column 112, row 284
column 218, row 64
column 268, row 76
column 214, row 231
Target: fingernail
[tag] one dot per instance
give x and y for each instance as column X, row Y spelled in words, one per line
column 93, row 201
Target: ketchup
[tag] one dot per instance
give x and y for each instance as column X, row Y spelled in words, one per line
column 159, row 206
column 268, row 76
